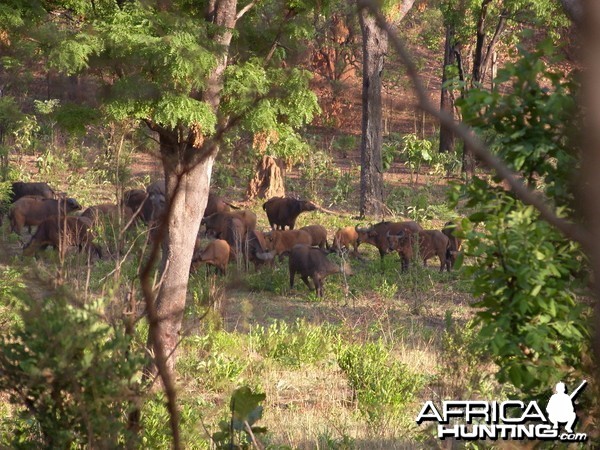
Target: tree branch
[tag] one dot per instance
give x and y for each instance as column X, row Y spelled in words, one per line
column 160, row 357
column 567, row 228
column 244, row 10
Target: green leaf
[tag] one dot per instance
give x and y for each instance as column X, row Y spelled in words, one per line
column 244, row 402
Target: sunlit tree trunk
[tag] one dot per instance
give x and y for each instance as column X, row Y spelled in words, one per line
column 188, row 168
column 375, row 45
column 446, row 100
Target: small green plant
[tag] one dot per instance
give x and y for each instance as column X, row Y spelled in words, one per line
column 388, row 153
column 330, row 442
column 49, row 164
column 340, row 192
column 11, row 286
column 416, row 152
column 463, row 356
column 445, row 164
column 382, row 386
column 277, row 282
column 316, row 168
column 293, row 345
column 216, row 371
column 387, row 290
column 47, row 108
column 345, row 143
column 156, row 432
column 239, row 431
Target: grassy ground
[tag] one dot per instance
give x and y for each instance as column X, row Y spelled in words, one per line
column 348, row 371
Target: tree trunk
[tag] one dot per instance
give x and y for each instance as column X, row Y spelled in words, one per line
column 447, row 99
column 590, row 161
column 479, row 54
column 187, row 194
column 375, row 45
column 188, row 166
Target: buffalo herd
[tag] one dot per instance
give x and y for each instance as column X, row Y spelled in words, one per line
column 233, row 231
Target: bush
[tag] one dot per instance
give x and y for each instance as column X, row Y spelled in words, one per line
column 294, row 345
column 70, row 374
column 245, row 411
column 416, row 151
column 382, row 387
column 157, row 431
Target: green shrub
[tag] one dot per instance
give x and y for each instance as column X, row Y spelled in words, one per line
column 11, row 286
column 277, row 281
column 156, row 432
column 340, row 192
column 295, row 345
column 316, row 167
column 70, row 375
column 244, row 411
column 416, row 152
column 383, row 387
column 463, row 357
column 345, row 144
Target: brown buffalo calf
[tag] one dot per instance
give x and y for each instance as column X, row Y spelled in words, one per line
column 31, row 211
column 451, row 230
column 424, row 244
column 318, row 235
column 135, row 199
column 344, row 238
column 61, row 233
column 110, row 212
column 256, row 250
column 281, row 242
column 215, row 204
column 216, row 253
column 217, row 223
column 376, row 235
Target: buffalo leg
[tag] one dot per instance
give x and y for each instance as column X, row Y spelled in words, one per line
column 446, row 263
column 306, row 282
column 404, row 264
column 292, row 275
column 318, row 286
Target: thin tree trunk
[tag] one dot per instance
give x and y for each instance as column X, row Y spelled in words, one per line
column 478, row 56
column 447, row 100
column 375, row 45
column 187, row 163
column 187, row 193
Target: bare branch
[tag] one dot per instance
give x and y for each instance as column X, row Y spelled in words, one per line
column 154, row 331
column 526, row 195
column 244, row 10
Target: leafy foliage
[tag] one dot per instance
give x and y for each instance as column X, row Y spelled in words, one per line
column 245, row 412
column 416, row 152
column 527, row 275
column 383, row 386
column 71, row 373
column 272, row 103
column 295, row 345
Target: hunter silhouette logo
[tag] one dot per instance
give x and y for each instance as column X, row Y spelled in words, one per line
column 560, row 407
column 511, row 419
